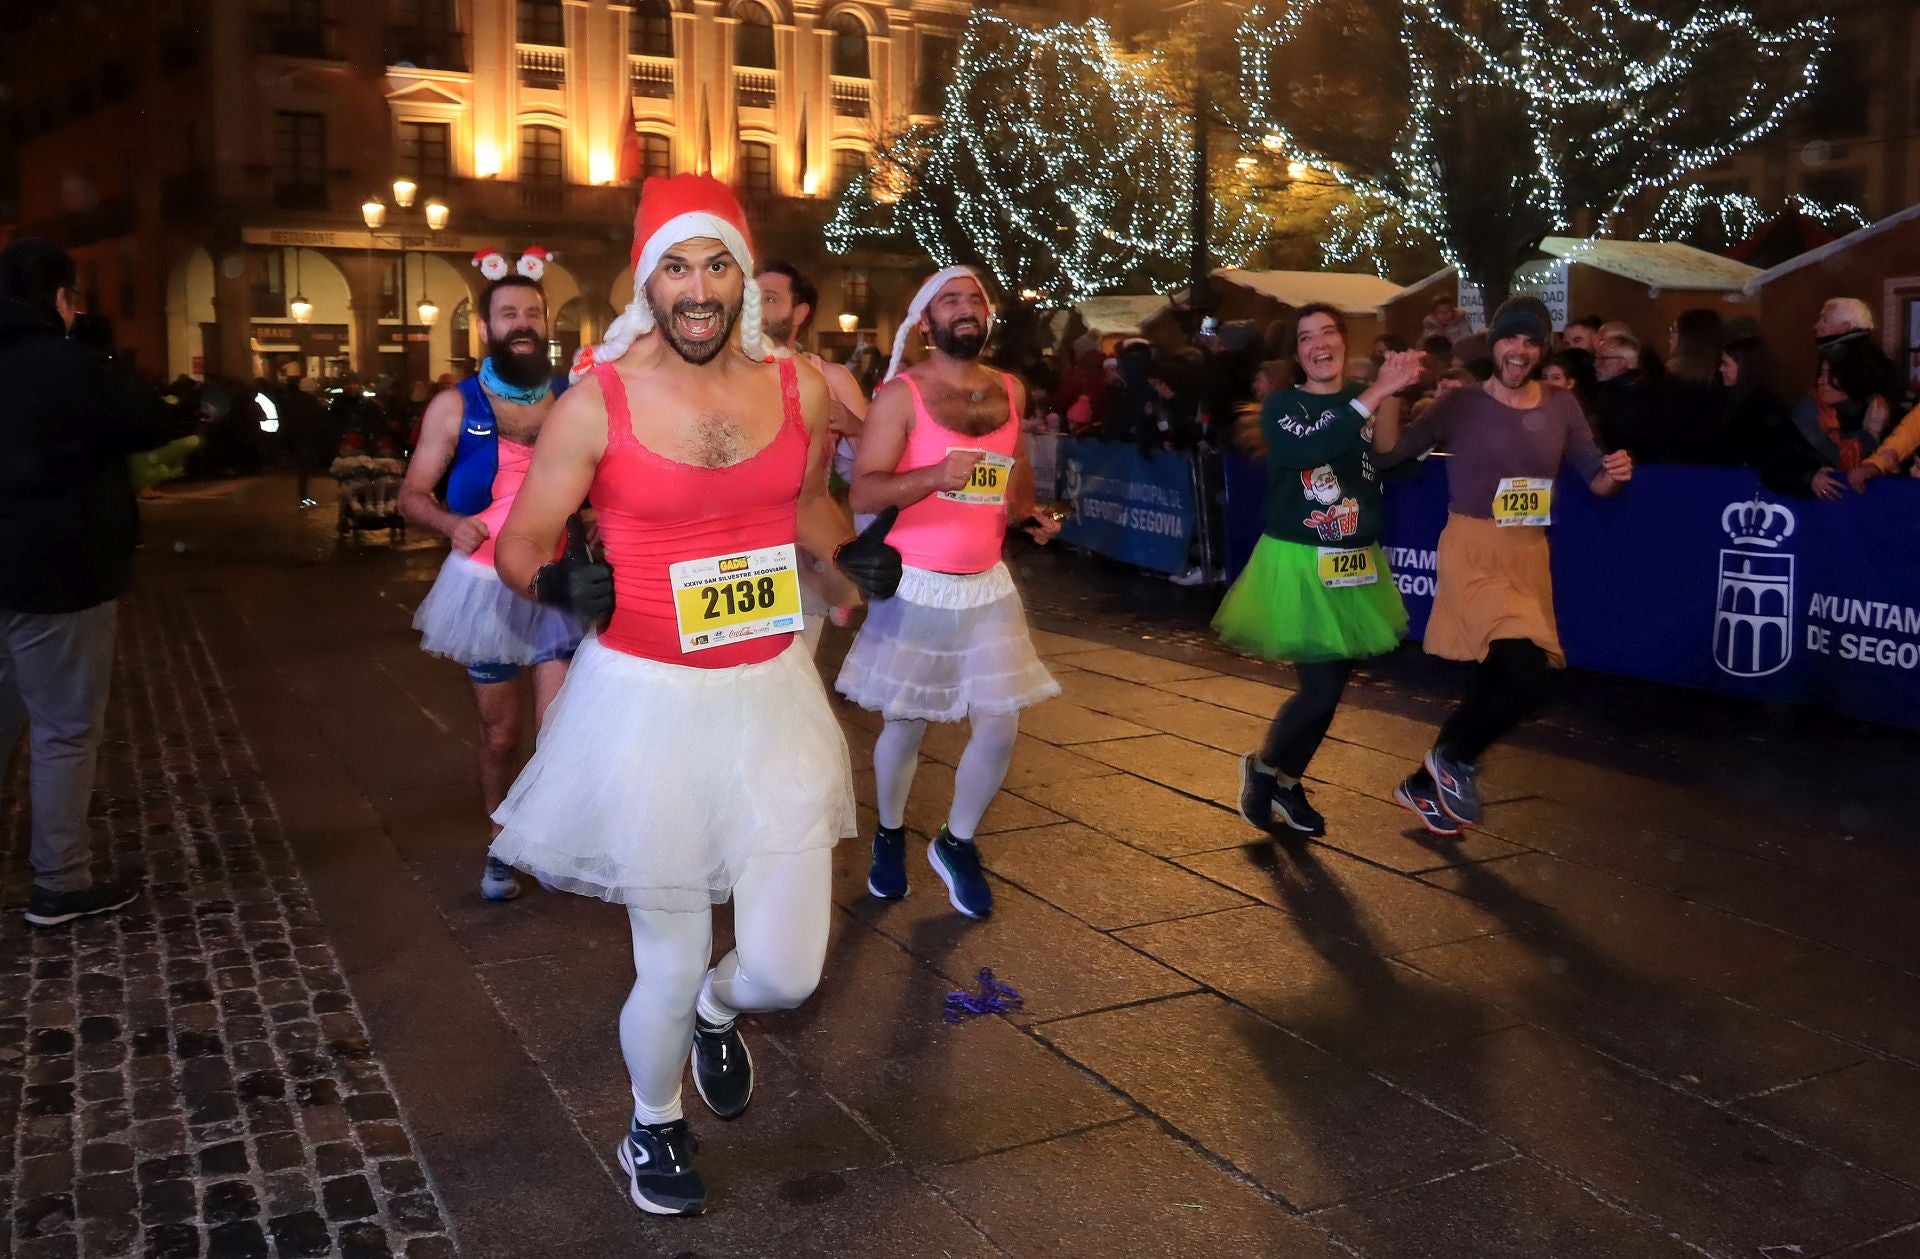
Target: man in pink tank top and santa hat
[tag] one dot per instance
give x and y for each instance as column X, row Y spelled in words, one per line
column 943, row 446
column 691, row 757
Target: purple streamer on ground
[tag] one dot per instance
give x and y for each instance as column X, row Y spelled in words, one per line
column 994, row 997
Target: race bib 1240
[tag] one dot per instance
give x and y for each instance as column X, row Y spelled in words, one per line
column 731, row 598
column 1347, row 567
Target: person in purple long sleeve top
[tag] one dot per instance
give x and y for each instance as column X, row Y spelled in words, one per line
column 1508, row 441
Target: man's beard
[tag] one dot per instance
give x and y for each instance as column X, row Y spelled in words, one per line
column 523, row 368
column 961, row 345
column 778, row 332
column 696, row 352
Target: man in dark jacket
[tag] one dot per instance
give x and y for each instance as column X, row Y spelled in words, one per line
column 68, row 422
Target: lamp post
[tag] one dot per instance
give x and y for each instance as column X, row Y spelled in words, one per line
column 435, row 213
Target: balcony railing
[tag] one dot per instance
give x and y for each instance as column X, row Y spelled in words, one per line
column 852, row 98
column 427, row 48
column 757, row 88
column 507, row 202
column 652, row 77
column 541, row 66
column 281, row 37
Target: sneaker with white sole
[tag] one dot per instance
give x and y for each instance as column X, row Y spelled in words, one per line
column 887, row 875
column 658, row 1161
column 1459, row 794
column 499, row 882
column 1416, row 793
column 957, row 862
column 1292, row 809
column 48, row 908
column 1257, row 787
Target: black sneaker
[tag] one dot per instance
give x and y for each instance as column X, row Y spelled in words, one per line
column 722, row 1068
column 1290, row 806
column 1416, row 792
column 957, row 862
column 47, row 908
column 1257, row 788
column 887, row 876
column 1458, row 794
column 658, row 1161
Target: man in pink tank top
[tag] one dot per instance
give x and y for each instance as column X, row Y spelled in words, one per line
column 943, row 446
column 692, row 756
column 468, row 437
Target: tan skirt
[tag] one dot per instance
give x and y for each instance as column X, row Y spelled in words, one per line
column 1492, row 583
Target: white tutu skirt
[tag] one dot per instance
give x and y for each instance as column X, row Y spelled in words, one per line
column 655, row 784
column 470, row 616
column 945, row 645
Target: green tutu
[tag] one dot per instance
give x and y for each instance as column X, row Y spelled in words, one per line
column 1280, row 610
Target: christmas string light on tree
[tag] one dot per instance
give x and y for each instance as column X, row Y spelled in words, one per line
column 1060, row 163
column 1720, row 220
column 1523, row 119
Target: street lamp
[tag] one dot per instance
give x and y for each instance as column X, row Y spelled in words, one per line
column 436, row 214
column 299, row 307
column 849, row 321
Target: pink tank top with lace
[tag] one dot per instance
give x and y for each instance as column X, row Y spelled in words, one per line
column 937, row 533
column 515, row 459
column 656, row 512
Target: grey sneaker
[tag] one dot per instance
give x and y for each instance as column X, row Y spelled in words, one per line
column 499, row 883
column 1454, row 782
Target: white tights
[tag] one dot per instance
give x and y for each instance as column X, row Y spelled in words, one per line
column 782, row 904
column 983, row 767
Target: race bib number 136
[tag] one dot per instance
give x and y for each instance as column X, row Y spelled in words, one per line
column 988, row 484
column 1523, row 500
column 731, row 598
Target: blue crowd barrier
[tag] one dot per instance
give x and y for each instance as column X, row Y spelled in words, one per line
column 1126, row 506
column 1697, row 577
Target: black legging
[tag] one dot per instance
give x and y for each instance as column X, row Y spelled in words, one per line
column 1508, row 686
column 1302, row 722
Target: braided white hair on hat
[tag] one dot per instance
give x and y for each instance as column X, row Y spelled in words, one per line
column 637, row 319
column 918, row 307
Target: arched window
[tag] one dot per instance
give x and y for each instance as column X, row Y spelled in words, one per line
column 541, row 160
column 753, row 38
column 652, row 30
column 850, row 47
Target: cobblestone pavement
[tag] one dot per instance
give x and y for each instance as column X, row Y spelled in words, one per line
column 1662, row 1004
column 191, row 1076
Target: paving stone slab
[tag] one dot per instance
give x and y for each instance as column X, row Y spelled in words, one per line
column 1111, row 695
column 1124, row 1189
column 1689, row 1037
column 1146, row 815
column 1200, row 771
column 1848, row 996
column 1346, row 999
column 1514, row 1209
column 1305, row 1125
column 1050, row 644
column 935, row 1091
column 1064, row 724
column 1209, row 724
column 1866, row 1114
column 1726, row 1185
column 1852, row 919
column 1245, row 695
column 1100, row 880
column 1654, row 930
column 1059, row 965
column 1386, row 834
column 1336, row 897
column 1642, row 853
column 1135, row 666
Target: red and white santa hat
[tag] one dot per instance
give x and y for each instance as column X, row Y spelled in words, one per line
column 918, row 307
column 674, row 208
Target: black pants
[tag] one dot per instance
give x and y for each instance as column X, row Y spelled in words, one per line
column 1508, row 687
column 1302, row 722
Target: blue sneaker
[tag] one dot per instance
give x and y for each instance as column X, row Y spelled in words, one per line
column 658, row 1161
column 499, row 883
column 1417, row 794
column 887, row 876
column 1459, row 796
column 957, row 863
column 722, row 1068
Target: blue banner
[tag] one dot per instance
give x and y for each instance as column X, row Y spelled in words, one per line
column 1699, row 577
column 1134, row 509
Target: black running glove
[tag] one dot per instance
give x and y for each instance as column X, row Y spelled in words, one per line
column 869, row 562
column 576, row 581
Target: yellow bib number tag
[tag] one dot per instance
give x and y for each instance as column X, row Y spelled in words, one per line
column 1523, row 500
column 730, row 598
column 1347, row 567
column 988, row 484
